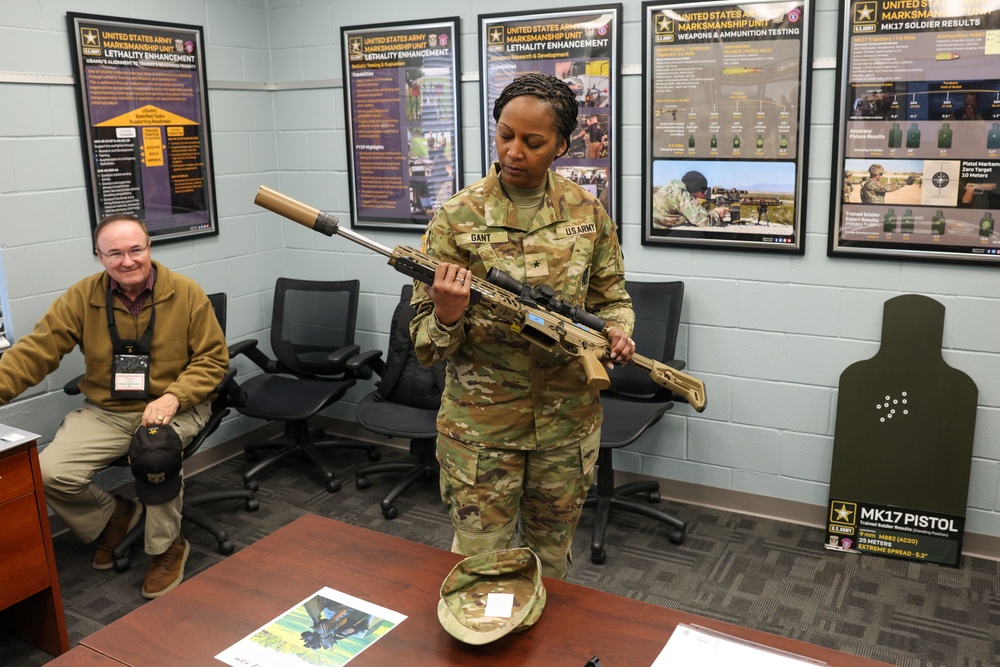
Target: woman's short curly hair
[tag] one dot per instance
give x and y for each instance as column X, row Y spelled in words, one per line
column 548, row 89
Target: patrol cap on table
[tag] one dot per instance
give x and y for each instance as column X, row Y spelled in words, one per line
column 467, row 589
column 155, row 456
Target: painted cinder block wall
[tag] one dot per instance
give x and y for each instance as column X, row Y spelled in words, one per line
column 769, row 334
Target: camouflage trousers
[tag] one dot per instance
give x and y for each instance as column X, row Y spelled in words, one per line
column 495, row 494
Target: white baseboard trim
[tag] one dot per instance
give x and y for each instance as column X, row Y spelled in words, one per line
column 974, row 544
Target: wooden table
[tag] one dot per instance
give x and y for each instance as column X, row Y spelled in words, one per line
column 30, row 605
column 215, row 609
column 81, row 656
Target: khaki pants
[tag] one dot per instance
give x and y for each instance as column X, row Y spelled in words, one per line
column 489, row 490
column 88, row 440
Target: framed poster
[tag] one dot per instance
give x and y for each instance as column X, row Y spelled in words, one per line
column 402, row 99
column 918, row 132
column 581, row 47
column 725, row 97
column 143, row 100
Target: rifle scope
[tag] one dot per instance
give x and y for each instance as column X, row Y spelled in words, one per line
column 545, row 297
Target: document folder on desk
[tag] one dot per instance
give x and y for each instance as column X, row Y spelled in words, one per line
column 695, row 646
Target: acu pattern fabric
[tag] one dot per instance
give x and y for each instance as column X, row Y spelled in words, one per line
column 503, row 396
column 673, row 205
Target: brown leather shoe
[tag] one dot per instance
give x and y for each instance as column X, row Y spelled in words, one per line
column 166, row 570
column 123, row 519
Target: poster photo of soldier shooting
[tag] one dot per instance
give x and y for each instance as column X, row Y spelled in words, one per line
column 726, row 200
column 921, row 202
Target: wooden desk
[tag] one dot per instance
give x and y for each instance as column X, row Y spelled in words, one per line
column 81, row 656
column 30, row 605
column 220, row 606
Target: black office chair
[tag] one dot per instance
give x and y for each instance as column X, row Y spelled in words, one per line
column 405, row 405
column 632, row 404
column 228, row 395
column 312, row 337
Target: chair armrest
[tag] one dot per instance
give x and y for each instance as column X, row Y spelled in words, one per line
column 676, row 364
column 362, row 365
column 340, row 357
column 231, row 391
column 72, row 387
column 248, row 348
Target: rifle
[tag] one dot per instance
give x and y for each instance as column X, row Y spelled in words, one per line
column 533, row 312
column 721, row 196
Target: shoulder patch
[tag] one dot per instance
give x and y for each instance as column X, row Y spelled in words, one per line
column 578, row 230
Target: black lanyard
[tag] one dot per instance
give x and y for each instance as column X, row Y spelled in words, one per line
column 141, row 346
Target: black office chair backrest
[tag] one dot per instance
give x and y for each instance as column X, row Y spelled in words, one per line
column 310, row 320
column 657, row 308
column 218, row 301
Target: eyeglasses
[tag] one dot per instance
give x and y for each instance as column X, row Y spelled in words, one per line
column 119, row 255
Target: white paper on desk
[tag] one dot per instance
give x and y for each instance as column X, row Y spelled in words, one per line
column 328, row 628
column 692, row 646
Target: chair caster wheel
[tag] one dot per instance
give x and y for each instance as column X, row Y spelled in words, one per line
column 362, row 483
column 251, row 504
column 251, row 456
column 598, row 557
column 654, row 497
column 333, row 485
column 390, row 512
column 226, row 547
column 122, row 565
column 252, row 485
column 374, row 455
column 676, row 536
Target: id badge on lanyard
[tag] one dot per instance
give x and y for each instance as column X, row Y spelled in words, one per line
column 130, row 361
column 130, row 376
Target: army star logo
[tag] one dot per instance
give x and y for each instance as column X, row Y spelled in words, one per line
column 843, row 512
column 89, row 36
column 496, row 35
column 864, row 12
column 664, row 24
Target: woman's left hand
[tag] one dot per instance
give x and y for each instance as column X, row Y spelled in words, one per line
column 622, row 347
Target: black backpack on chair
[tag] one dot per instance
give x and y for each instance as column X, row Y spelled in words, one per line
column 403, row 379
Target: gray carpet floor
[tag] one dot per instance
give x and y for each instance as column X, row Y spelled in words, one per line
column 760, row 573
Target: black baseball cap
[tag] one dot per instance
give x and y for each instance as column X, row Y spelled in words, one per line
column 155, row 455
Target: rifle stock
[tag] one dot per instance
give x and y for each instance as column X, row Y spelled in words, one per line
column 548, row 330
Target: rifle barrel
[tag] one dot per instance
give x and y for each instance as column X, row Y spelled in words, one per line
column 314, row 219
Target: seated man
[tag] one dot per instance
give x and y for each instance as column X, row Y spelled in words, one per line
column 154, row 353
column 676, row 203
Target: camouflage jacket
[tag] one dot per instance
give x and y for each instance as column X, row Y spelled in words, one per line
column 673, row 205
column 873, row 192
column 500, row 390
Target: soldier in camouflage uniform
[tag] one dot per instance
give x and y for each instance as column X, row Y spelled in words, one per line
column 872, row 190
column 519, row 428
column 676, row 203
